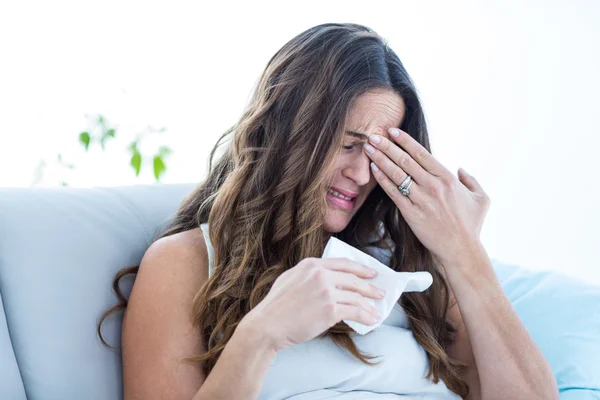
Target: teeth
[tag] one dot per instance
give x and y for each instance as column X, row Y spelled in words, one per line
column 337, row 194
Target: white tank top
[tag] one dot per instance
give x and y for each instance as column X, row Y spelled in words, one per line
column 319, row 369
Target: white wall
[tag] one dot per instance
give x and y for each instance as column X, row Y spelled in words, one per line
column 509, row 88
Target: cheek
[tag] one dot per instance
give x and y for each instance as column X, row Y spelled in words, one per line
column 343, row 162
column 335, row 174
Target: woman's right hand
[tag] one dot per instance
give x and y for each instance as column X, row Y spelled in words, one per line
column 311, row 297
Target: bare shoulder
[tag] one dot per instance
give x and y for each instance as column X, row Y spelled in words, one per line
column 187, row 244
column 157, row 327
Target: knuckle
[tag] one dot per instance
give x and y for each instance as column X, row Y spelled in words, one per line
column 404, row 161
column 384, row 145
column 435, row 189
column 328, row 293
column 422, row 156
column 318, row 274
column 449, row 181
column 311, row 262
column 330, row 310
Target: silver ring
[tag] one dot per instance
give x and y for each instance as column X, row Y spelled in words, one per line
column 404, row 186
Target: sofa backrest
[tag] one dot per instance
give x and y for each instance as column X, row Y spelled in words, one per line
column 59, row 251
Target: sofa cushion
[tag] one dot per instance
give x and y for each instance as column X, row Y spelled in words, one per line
column 562, row 314
column 59, row 251
column 11, row 385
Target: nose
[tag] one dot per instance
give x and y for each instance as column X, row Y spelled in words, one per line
column 359, row 170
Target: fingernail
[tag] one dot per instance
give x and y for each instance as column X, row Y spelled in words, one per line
column 394, row 132
column 375, row 139
column 369, row 148
column 382, row 292
column 373, row 271
column 374, row 167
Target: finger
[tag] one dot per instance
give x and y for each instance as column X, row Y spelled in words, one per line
column 347, row 265
column 394, row 161
column 402, row 201
column 356, row 314
column 469, row 181
column 357, row 300
column 418, row 153
column 350, row 282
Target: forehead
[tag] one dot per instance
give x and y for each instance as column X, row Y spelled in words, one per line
column 375, row 112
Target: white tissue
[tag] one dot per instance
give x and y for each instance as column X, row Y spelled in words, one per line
column 394, row 283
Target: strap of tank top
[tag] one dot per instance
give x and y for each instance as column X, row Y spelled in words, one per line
column 209, row 247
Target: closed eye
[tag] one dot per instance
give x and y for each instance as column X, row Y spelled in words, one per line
column 350, row 146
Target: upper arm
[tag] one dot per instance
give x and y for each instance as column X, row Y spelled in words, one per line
column 157, row 330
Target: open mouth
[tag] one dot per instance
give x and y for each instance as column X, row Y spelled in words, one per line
column 341, row 200
column 341, row 196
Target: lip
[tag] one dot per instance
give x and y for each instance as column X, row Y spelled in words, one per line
column 346, row 193
column 347, row 205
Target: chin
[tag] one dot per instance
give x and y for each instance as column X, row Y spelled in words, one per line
column 334, row 227
column 336, row 222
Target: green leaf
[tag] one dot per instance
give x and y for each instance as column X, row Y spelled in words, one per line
column 63, row 184
column 133, row 146
column 164, row 151
column 101, row 120
column 159, row 167
column 84, row 138
column 105, row 135
column 136, row 162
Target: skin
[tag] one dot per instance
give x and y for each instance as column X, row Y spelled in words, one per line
column 445, row 213
column 372, row 113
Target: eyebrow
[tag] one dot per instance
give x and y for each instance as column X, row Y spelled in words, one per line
column 358, row 135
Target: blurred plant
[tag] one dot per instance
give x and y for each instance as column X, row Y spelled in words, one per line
column 105, row 132
column 158, row 160
column 136, row 161
column 100, row 133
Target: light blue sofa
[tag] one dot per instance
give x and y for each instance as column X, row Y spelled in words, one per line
column 60, row 249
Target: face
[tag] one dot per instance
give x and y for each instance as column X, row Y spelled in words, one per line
column 372, row 113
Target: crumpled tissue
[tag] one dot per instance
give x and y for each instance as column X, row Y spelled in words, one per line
column 394, row 283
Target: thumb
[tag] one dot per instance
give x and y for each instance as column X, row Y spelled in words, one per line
column 469, row 181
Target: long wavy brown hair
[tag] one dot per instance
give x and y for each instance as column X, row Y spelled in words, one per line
column 264, row 197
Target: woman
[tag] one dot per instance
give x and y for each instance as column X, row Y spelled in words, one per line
column 333, row 142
